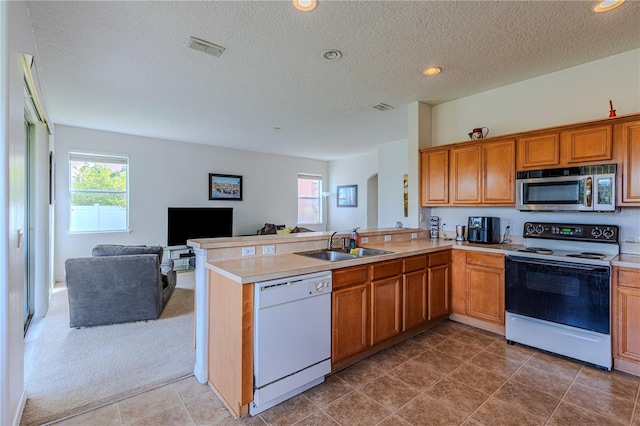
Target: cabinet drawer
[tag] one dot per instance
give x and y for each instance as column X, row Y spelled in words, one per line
column 385, row 269
column 348, row 276
column 484, row 259
column 628, row 277
column 414, row 263
column 440, row 258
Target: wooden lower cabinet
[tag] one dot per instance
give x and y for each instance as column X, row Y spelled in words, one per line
column 485, row 293
column 626, row 319
column 349, row 312
column 389, row 302
column 414, row 292
column 478, row 287
column 415, row 296
column 438, row 281
column 385, row 309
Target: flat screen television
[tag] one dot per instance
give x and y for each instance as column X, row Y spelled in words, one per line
column 198, row 222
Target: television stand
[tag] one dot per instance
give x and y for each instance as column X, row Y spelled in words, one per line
column 183, row 257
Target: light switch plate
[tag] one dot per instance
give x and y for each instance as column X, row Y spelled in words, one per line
column 364, row 240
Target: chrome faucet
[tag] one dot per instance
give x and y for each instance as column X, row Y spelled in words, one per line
column 331, row 241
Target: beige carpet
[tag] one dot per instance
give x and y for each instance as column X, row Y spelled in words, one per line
column 70, row 370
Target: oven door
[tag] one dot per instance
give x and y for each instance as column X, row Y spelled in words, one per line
column 566, row 293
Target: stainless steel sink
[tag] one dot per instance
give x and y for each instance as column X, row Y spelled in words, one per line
column 364, row 252
column 337, row 255
column 330, row 255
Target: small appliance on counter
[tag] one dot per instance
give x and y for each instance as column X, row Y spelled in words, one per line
column 460, row 231
column 435, row 227
column 484, row 229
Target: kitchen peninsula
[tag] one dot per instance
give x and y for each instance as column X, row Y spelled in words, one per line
column 224, row 296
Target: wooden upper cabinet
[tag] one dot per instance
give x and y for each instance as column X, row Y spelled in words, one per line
column 465, row 174
column 628, row 159
column 498, row 166
column 587, row 145
column 483, row 173
column 539, row 151
column 434, row 172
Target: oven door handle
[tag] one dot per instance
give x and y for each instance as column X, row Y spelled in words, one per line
column 557, row 264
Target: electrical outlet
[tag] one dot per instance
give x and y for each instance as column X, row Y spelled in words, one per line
column 268, row 249
column 387, row 237
column 248, row 251
column 444, row 223
column 364, row 240
column 414, row 235
column 509, row 225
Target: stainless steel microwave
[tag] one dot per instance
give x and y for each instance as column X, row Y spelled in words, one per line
column 586, row 188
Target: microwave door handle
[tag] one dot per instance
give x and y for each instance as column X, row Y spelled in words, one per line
column 588, row 193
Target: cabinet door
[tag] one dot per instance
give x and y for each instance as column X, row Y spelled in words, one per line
column 350, row 309
column 438, row 296
column 465, row 175
column 385, row 309
column 627, row 341
column 434, row 177
column 589, row 144
column 459, row 282
column 485, row 293
column 498, row 168
column 538, row 152
column 414, row 299
column 626, row 313
column 628, row 145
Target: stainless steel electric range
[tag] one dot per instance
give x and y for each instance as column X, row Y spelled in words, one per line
column 558, row 290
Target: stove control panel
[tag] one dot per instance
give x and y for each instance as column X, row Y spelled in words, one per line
column 563, row 231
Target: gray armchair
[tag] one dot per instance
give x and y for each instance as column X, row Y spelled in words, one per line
column 118, row 284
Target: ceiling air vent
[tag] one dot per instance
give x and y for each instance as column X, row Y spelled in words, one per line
column 382, row 107
column 204, row 46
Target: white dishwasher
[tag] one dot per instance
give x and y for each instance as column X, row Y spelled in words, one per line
column 292, row 337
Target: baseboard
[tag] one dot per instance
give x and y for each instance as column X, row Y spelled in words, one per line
column 20, row 410
column 473, row 322
column 626, row 366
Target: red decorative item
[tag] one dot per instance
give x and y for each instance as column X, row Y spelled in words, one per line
column 612, row 112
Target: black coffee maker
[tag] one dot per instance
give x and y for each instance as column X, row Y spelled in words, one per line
column 483, row 229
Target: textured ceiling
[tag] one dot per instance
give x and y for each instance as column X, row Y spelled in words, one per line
column 125, row 67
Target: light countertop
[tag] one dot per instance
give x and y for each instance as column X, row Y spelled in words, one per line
column 627, row 261
column 261, row 268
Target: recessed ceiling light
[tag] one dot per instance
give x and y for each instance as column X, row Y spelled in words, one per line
column 305, row 5
column 432, row 71
column 607, row 5
column 332, row 55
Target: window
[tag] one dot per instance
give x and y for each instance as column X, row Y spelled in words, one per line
column 309, row 193
column 98, row 186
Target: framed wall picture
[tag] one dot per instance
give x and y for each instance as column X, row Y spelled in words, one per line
column 348, row 196
column 225, row 187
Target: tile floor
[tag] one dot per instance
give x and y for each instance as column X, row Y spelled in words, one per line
column 450, row 375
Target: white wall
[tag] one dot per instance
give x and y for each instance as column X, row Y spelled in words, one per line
column 167, row 173
column 351, row 171
column 577, row 94
column 393, row 164
column 16, row 38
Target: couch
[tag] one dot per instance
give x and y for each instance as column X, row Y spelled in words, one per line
column 118, row 284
